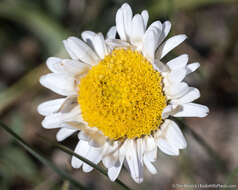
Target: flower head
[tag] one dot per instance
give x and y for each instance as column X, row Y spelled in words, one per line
column 119, row 95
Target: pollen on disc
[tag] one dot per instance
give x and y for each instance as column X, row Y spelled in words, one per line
column 122, row 95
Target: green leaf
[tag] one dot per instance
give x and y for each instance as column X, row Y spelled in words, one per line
column 42, row 159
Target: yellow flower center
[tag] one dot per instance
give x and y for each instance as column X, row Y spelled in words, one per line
column 122, row 95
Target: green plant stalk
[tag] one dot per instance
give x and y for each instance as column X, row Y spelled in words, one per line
column 54, row 167
column 221, row 164
column 97, row 167
column 45, row 161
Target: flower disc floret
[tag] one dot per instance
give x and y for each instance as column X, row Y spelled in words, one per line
column 122, row 95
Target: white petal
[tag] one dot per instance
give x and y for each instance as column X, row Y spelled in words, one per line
column 115, row 43
column 167, row 138
column 192, row 110
column 138, row 30
column 158, row 25
column 114, row 171
column 111, row 34
column 88, row 36
column 149, row 166
column 170, row 44
column 165, row 147
column 150, row 145
column 69, row 50
column 127, row 13
column 51, row 62
column 170, row 138
column 69, row 103
column 178, row 62
column 115, row 154
column 161, row 67
column 109, row 159
column 150, row 154
column 145, row 16
column 176, row 90
column 99, row 45
column 69, row 66
column 123, row 21
column 83, row 136
column 192, row 67
column 96, row 41
column 120, row 24
column 165, row 31
column 167, row 110
column 64, row 133
column 166, row 27
column 94, row 155
column 190, row 96
column 175, row 136
column 171, row 109
column 140, row 149
column 135, row 166
column 81, row 149
column 60, row 83
column 57, row 120
column 50, row 106
column 176, row 76
column 157, row 28
column 150, row 43
column 80, row 51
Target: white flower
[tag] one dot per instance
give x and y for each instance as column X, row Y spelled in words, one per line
column 119, row 95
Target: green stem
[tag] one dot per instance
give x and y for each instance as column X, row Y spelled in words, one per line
column 45, row 161
column 98, row 168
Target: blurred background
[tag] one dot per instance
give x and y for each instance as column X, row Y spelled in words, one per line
column 31, row 31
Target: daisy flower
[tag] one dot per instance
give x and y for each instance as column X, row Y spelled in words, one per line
column 118, row 95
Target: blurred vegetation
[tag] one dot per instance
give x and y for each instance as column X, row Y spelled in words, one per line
column 31, row 31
